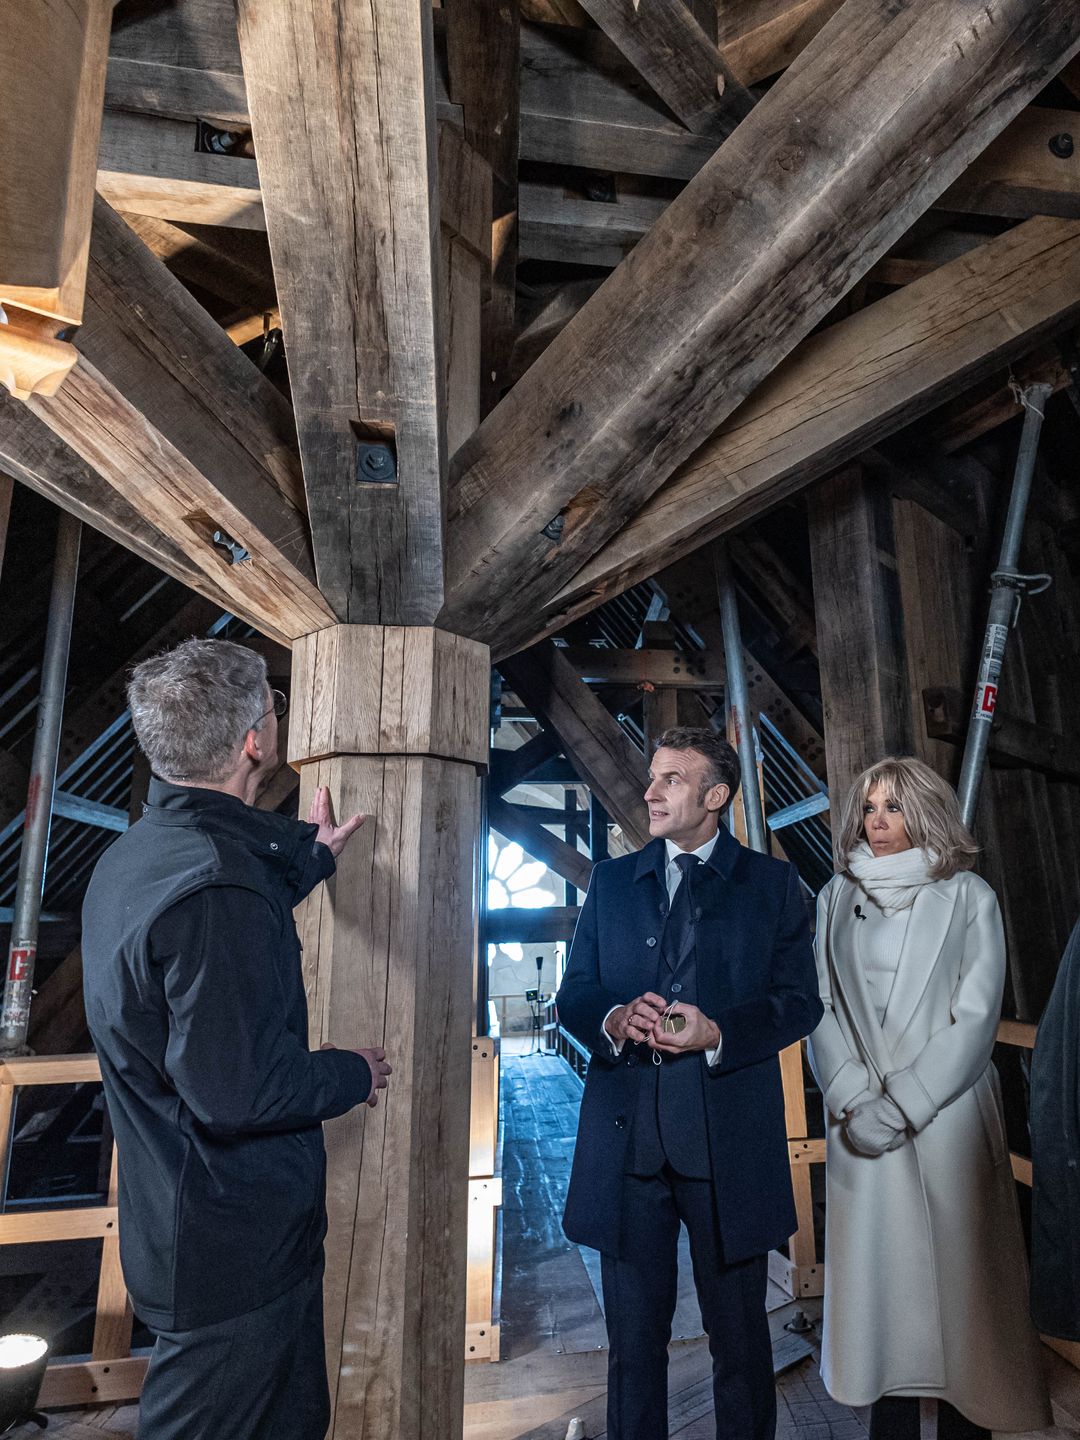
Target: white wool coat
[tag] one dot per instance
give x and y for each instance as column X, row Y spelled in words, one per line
column 925, row 1273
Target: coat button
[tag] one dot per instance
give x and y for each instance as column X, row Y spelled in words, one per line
column 651, row 941
column 631, row 1060
column 676, row 988
column 620, row 1122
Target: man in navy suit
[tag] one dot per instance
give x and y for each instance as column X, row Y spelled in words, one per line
column 691, row 969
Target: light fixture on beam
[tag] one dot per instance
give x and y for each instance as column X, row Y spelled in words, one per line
column 23, row 1359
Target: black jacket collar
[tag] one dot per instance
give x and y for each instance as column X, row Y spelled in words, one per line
column 652, row 859
column 260, row 830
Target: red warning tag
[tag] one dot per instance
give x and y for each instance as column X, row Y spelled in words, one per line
column 987, row 700
column 20, row 963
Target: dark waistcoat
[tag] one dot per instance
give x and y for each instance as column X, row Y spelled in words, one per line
column 670, row 1123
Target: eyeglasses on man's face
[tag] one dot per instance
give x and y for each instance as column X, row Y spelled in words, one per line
column 279, row 707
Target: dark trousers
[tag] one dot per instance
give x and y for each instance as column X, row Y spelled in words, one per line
column 640, row 1291
column 896, row 1417
column 259, row 1376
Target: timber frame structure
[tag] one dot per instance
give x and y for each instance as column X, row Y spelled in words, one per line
column 403, row 340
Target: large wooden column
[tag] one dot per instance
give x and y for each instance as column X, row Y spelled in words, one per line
column 395, row 720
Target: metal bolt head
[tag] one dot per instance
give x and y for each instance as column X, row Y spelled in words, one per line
column 375, row 462
column 554, row 528
column 1062, row 145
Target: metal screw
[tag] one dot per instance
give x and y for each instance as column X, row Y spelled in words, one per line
column 554, row 528
column 375, row 462
column 1062, row 145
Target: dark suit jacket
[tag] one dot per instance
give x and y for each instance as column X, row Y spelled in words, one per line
column 756, row 979
column 1055, row 1146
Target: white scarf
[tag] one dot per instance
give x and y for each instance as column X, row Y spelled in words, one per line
column 891, row 882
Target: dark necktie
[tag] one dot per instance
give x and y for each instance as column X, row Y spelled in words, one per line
column 677, row 931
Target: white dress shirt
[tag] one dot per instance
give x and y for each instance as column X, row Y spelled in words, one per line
column 673, row 876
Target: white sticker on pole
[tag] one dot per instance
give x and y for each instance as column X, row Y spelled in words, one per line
column 986, row 688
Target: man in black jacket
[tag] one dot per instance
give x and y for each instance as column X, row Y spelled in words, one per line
column 195, row 1001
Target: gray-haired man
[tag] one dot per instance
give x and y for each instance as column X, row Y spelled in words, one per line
column 195, row 1000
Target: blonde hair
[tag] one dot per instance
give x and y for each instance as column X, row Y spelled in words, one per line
column 931, row 815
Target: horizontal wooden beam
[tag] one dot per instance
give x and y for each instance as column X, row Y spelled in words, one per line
column 519, row 926
column 1012, row 739
column 682, row 322
column 659, row 669
column 845, row 389
column 181, row 425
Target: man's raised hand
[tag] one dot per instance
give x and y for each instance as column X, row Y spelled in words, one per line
column 334, row 837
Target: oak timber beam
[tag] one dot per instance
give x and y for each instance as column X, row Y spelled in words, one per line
column 484, row 70
column 565, row 860
column 669, row 49
column 510, row 768
column 761, row 37
column 860, row 632
column 181, row 424
column 843, row 390
column 590, row 738
column 343, row 117
column 723, row 287
column 465, row 233
column 661, row 669
column 52, row 76
column 1013, row 740
column 39, row 459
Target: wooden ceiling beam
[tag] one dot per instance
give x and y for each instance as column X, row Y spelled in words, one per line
column 680, row 62
column 483, row 43
column 845, row 389
column 182, row 426
column 724, row 286
column 343, row 118
column 760, row 38
column 565, row 860
column 39, row 459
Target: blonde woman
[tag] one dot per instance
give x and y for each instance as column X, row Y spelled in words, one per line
column 925, row 1274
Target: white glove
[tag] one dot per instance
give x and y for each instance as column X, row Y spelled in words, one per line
column 876, row 1126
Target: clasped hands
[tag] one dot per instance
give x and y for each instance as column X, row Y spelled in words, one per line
column 642, row 1020
column 874, row 1124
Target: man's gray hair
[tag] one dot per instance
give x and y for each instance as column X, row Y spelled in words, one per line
column 192, row 707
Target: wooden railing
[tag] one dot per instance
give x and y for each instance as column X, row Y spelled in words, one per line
column 111, row 1374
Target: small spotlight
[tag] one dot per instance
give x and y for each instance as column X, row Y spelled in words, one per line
column 23, row 1359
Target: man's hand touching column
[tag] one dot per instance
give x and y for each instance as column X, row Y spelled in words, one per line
column 376, row 1063
column 334, row 837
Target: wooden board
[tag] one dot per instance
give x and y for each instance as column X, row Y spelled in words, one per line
column 343, row 115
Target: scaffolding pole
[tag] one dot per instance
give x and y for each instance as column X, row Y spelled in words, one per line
column 738, row 699
column 1007, row 587
column 22, row 951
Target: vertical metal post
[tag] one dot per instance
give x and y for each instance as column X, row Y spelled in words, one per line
column 22, row 953
column 738, row 699
column 1007, row 587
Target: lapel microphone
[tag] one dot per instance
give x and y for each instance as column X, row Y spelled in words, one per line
column 859, row 913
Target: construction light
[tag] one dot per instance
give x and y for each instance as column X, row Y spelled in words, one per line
column 22, row 1368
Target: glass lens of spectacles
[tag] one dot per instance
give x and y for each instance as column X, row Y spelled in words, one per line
column 281, row 703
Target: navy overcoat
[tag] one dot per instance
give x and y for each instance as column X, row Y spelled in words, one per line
column 756, row 978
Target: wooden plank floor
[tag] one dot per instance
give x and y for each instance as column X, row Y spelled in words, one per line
column 554, row 1346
